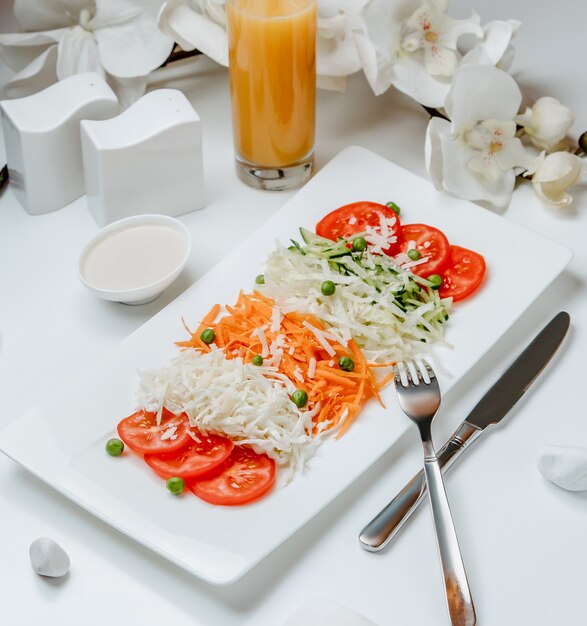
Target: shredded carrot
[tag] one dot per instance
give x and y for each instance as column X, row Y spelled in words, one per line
column 340, row 394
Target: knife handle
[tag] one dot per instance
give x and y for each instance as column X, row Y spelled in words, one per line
column 385, row 525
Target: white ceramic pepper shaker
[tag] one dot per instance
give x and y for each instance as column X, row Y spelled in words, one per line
column 146, row 160
column 42, row 137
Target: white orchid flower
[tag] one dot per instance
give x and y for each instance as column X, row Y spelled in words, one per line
column 432, row 32
column 555, row 174
column 495, row 48
column 197, row 24
column 476, row 155
column 336, row 52
column 547, row 122
column 413, row 46
column 116, row 38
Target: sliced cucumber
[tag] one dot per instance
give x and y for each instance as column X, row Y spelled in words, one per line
column 312, row 238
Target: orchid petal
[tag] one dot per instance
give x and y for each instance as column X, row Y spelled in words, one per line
column 481, row 92
column 433, row 149
column 440, row 5
column 439, row 61
column 450, row 30
column 35, row 15
column 410, row 77
column 497, row 36
column 132, row 45
column 562, row 166
column 192, row 30
column 336, row 57
column 460, row 180
column 128, row 90
column 552, row 194
column 77, row 53
column 486, row 165
column 378, row 69
column 515, row 155
column 332, row 26
column 216, row 9
column 18, row 50
column 38, row 74
column 423, row 17
column 556, row 173
column 336, row 51
column 384, row 21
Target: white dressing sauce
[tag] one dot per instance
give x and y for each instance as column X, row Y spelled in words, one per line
column 133, row 257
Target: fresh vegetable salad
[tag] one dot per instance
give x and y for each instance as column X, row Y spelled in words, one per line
column 259, row 383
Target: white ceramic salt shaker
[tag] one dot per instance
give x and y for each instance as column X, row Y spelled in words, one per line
column 42, row 137
column 146, row 160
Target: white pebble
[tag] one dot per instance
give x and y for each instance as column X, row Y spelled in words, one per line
column 565, row 466
column 48, row 558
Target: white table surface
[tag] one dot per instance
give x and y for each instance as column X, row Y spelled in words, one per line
column 524, row 540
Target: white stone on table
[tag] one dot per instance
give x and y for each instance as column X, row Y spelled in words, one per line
column 565, row 466
column 48, row 558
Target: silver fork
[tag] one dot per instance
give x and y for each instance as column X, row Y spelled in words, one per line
column 419, row 397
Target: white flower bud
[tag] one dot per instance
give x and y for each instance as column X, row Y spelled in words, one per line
column 556, row 173
column 547, row 122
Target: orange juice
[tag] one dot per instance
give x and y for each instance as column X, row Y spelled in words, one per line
column 272, row 56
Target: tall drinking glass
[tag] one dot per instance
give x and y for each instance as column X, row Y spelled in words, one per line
column 272, row 68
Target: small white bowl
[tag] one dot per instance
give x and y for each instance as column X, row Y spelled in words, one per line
column 134, row 259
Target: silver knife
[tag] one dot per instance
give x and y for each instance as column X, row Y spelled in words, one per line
column 491, row 409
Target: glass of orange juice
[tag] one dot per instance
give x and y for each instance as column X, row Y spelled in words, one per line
column 272, row 69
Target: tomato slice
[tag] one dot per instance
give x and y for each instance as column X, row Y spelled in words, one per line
column 463, row 275
column 140, row 432
column 244, row 477
column 429, row 242
column 197, row 459
column 355, row 218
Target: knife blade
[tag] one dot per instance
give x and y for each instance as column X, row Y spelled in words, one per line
column 491, row 409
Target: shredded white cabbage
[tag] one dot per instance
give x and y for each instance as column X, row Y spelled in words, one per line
column 247, row 403
column 363, row 307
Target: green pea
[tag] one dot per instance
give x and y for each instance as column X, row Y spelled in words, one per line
column 257, row 360
column 436, row 280
column 208, row 336
column 346, row 363
column 114, row 447
column 260, row 279
column 175, row 484
column 359, row 244
column 414, row 254
column 393, row 206
column 327, row 288
column 299, row 398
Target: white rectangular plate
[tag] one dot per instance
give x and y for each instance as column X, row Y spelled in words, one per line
column 62, row 439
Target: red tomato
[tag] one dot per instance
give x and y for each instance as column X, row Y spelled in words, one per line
column 354, row 218
column 195, row 460
column 463, row 275
column 140, row 432
column 244, row 477
column 430, row 242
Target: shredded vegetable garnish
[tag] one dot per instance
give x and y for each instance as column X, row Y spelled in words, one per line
column 389, row 312
column 234, row 399
column 301, row 352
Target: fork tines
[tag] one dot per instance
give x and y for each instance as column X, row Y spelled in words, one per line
column 413, row 373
